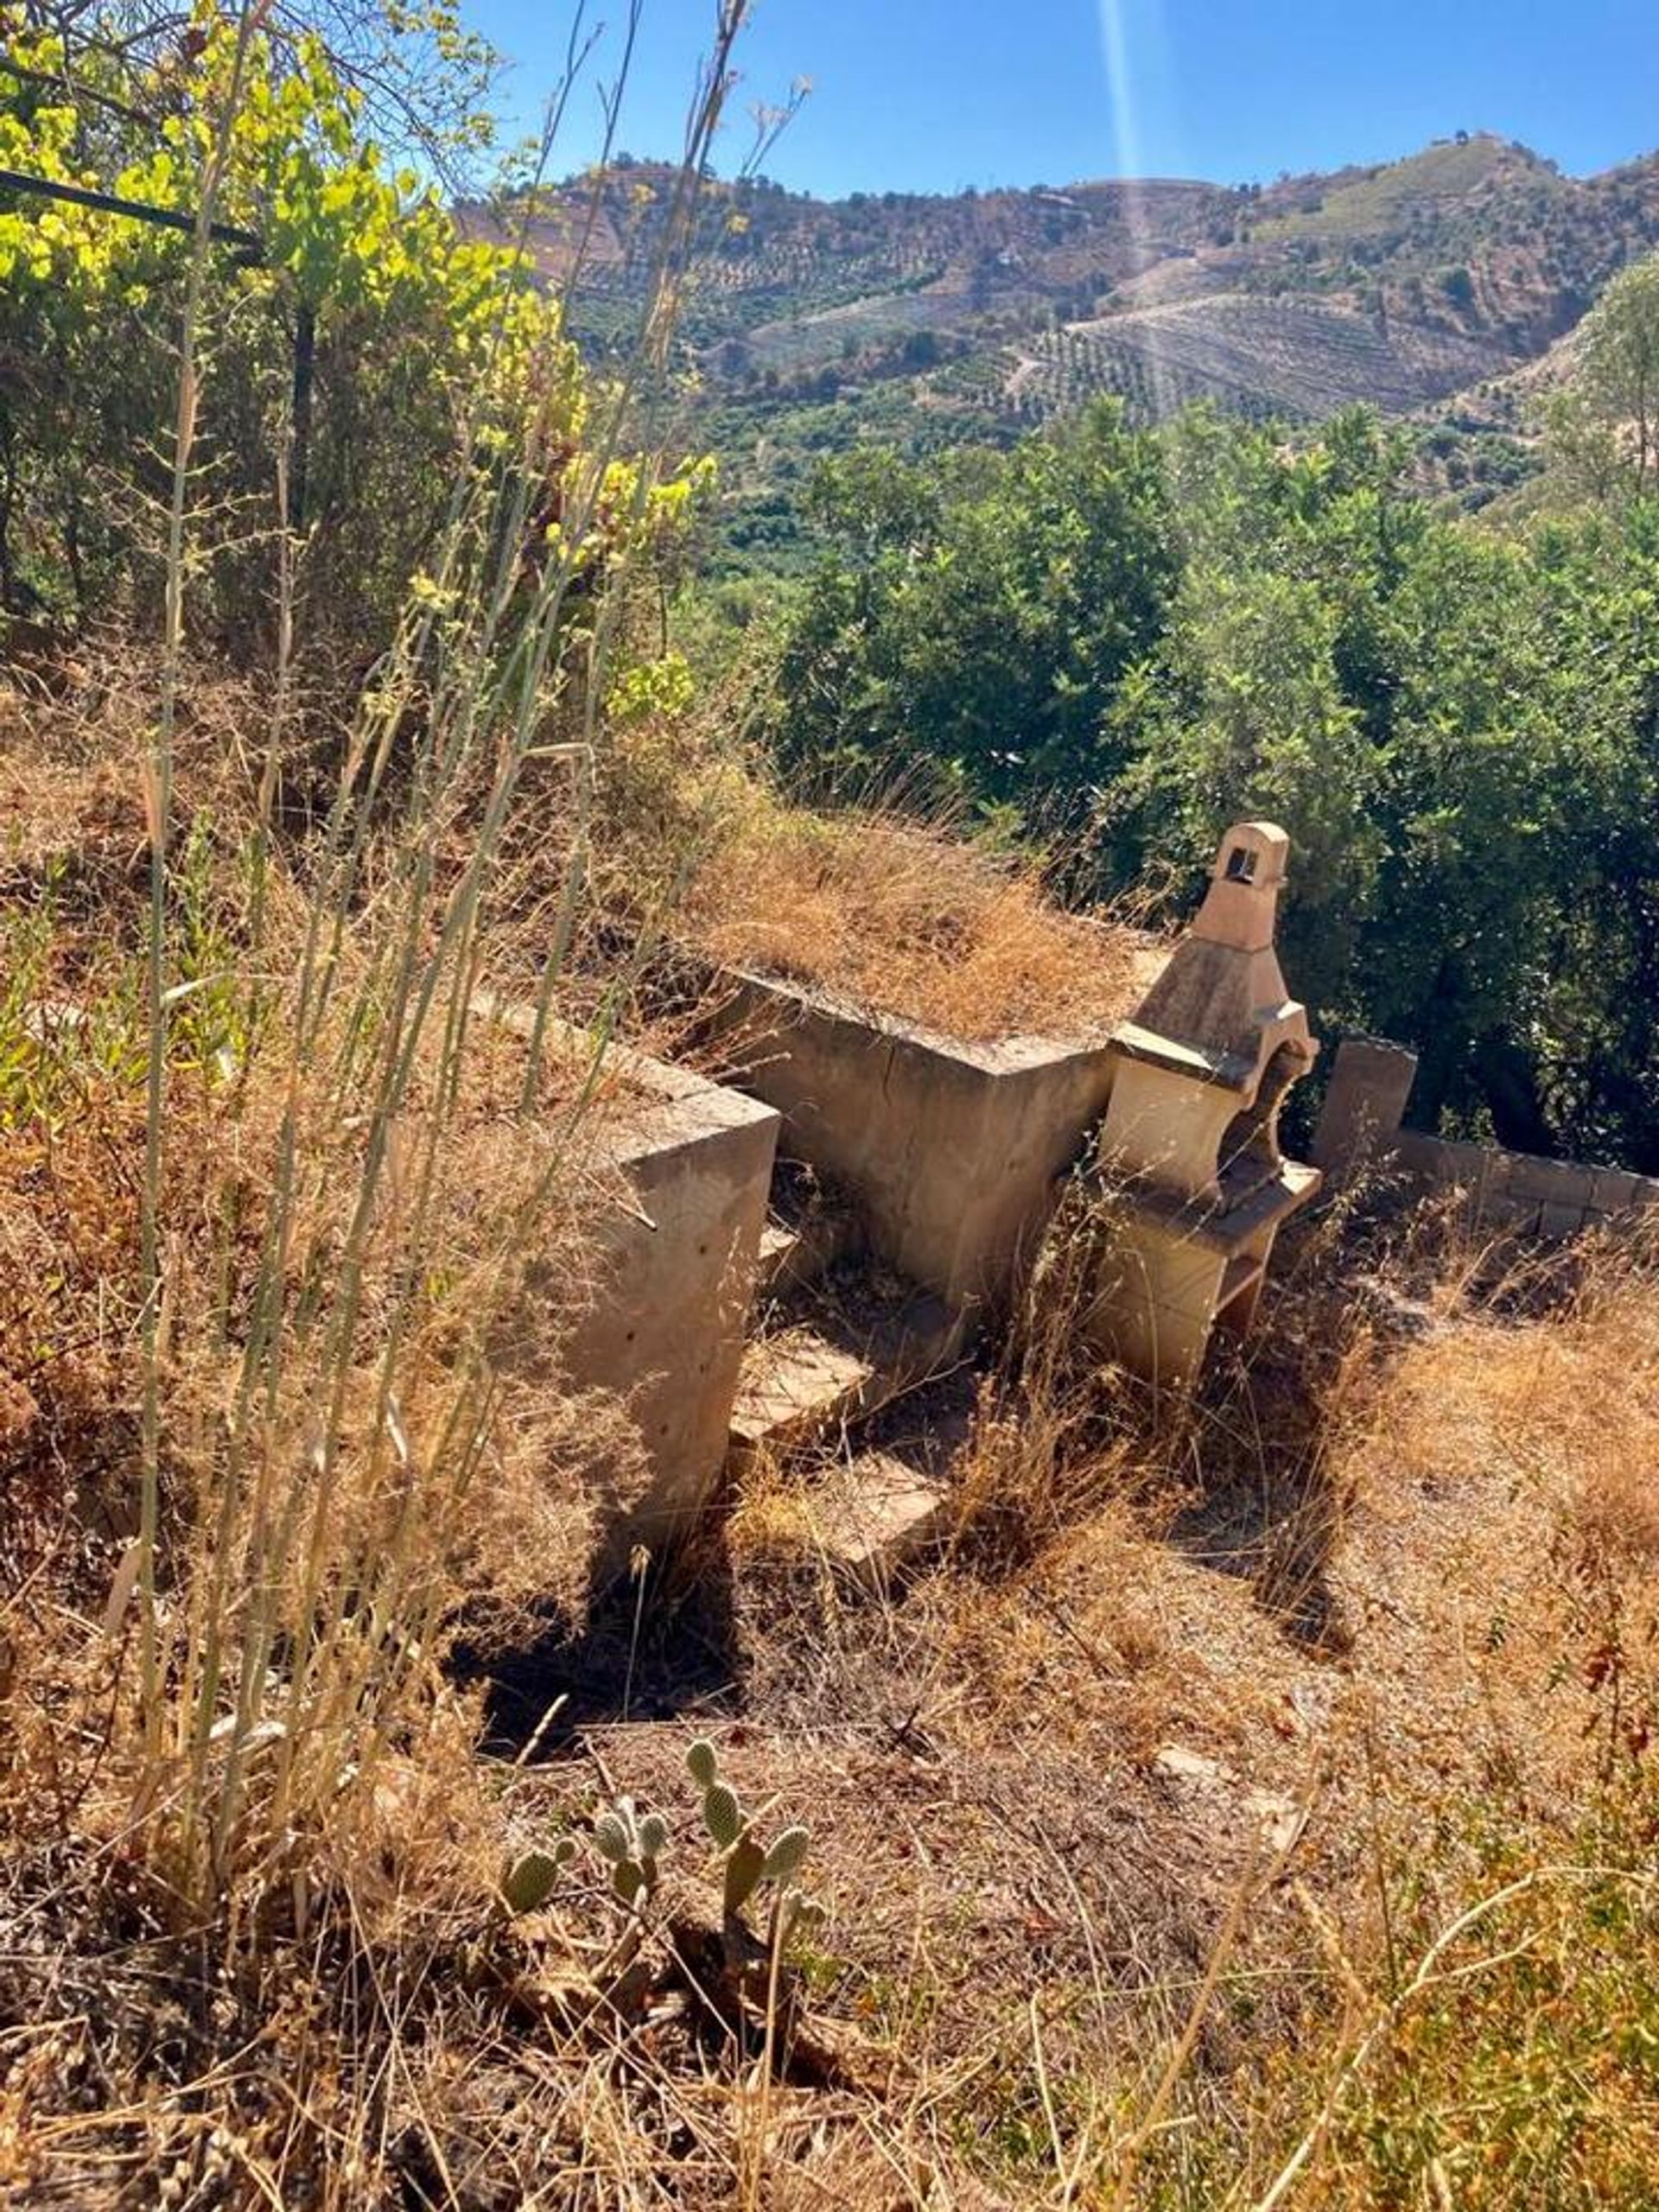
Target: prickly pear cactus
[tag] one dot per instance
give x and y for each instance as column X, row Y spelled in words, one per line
column 722, row 1814
column 748, row 1862
column 783, row 1861
column 745, row 1864
column 611, row 1837
column 632, row 1846
column 800, row 1915
column 530, row 1878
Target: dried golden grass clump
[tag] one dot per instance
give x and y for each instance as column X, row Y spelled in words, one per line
column 1603, row 1415
column 1568, row 1401
column 71, row 751
column 909, row 921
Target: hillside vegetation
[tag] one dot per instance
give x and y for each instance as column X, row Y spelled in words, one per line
column 1253, row 1803
column 1115, row 641
column 923, row 321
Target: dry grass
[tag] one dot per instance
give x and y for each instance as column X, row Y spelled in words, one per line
column 993, row 1823
column 907, row 920
column 1570, row 1407
column 1387, row 1593
column 1388, row 1590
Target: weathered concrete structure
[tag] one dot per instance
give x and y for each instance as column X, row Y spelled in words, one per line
column 1552, row 1199
column 951, row 1151
column 1363, row 1105
column 667, row 1321
column 1190, row 1142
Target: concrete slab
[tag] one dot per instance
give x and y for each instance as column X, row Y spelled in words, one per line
column 887, row 1513
column 1363, row 1106
column 1554, row 1182
column 1415, row 1154
column 791, row 1389
column 1499, row 1210
column 1558, row 1223
column 1508, row 1191
column 1613, row 1191
column 1473, row 1167
column 810, row 1380
column 794, row 1254
column 1441, row 1164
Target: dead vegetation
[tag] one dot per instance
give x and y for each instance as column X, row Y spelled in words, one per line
column 911, row 921
column 1186, row 1755
column 1360, row 1610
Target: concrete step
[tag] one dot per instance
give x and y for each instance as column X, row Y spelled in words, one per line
column 831, row 1371
column 793, row 1388
column 885, row 1510
column 887, row 1515
column 809, row 1232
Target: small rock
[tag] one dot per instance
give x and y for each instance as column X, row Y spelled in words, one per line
column 1186, row 1765
column 1282, row 1819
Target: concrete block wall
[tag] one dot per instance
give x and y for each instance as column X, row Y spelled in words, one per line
column 1552, row 1199
column 953, row 1152
column 666, row 1326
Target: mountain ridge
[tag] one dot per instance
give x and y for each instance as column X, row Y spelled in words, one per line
column 922, row 320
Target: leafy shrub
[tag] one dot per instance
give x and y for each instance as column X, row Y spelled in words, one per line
column 373, row 344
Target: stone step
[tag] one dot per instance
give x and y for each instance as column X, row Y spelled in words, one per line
column 830, row 1373
column 793, row 1388
column 883, row 1513
column 893, row 1502
column 793, row 1258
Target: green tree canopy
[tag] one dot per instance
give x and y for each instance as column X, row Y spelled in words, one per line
column 1145, row 635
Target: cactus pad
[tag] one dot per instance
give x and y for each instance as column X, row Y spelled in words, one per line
column 722, row 1814
column 784, row 1860
column 529, row 1881
column 611, row 1838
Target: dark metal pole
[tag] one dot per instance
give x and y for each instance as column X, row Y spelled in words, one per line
column 167, row 219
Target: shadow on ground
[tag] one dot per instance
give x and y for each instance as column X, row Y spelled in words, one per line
column 1267, row 1503
column 649, row 1651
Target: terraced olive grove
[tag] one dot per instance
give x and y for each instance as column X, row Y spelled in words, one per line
column 1260, row 358
column 815, row 327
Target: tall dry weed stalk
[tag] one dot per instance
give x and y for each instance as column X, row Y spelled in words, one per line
column 328, row 1322
column 158, row 801
column 1055, row 1432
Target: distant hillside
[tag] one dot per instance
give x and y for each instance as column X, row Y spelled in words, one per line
column 922, row 322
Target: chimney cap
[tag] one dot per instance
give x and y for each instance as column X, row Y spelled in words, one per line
column 1253, row 854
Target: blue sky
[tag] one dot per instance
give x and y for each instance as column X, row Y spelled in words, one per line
column 932, row 95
